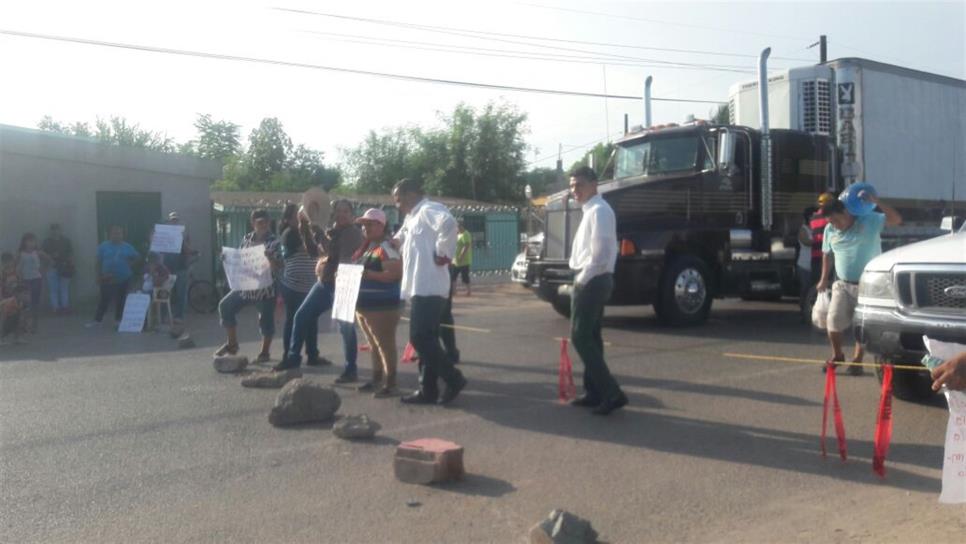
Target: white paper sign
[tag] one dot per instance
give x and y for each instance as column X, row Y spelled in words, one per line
column 247, row 269
column 135, row 310
column 347, row 281
column 167, row 238
column 954, row 456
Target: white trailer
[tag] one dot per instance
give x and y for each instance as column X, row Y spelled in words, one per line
column 902, row 130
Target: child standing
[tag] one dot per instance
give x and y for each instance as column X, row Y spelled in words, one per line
column 28, row 268
column 10, row 299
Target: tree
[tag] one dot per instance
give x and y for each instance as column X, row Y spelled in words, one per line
column 721, row 115
column 217, row 139
column 541, row 180
column 118, row 131
column 601, row 154
column 268, row 148
column 382, row 160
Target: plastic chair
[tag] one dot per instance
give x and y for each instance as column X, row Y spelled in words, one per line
column 161, row 302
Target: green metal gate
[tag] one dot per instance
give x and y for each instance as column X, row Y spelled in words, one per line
column 135, row 212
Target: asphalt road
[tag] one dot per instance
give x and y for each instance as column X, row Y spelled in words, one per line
column 122, row 438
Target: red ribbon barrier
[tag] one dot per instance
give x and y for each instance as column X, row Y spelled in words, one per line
column 409, row 354
column 364, row 347
column 883, row 424
column 830, row 392
column 566, row 389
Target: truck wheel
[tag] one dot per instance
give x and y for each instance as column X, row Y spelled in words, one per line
column 561, row 305
column 906, row 384
column 685, row 297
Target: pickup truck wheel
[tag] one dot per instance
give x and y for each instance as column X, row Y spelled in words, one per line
column 561, row 305
column 906, row 384
column 685, row 297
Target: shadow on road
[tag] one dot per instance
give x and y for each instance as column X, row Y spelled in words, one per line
column 524, row 406
column 478, row 485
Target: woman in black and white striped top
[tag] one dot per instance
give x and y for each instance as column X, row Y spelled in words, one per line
column 298, row 276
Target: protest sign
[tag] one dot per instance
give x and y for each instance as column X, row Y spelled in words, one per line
column 247, row 269
column 347, row 281
column 167, row 238
column 954, row 455
column 135, row 310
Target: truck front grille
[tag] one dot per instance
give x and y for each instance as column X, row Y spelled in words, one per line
column 932, row 292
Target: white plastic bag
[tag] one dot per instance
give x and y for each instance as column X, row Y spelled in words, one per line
column 954, row 454
column 820, row 310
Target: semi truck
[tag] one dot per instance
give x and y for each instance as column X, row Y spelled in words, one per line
column 707, row 211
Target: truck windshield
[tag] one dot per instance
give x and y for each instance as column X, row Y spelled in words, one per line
column 656, row 156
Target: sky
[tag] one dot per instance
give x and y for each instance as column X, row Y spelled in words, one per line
column 589, row 47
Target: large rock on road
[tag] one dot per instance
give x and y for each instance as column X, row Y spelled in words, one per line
column 303, row 401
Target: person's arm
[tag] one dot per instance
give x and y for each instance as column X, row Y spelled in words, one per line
column 951, row 373
column 805, row 236
column 97, row 266
column 463, row 250
column 446, row 233
column 826, row 268
column 391, row 272
column 308, row 238
column 892, row 217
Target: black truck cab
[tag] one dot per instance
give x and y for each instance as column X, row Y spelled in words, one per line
column 688, row 203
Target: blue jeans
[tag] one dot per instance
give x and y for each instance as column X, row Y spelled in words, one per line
column 305, row 322
column 293, row 301
column 350, row 345
column 59, row 289
column 179, row 294
column 233, row 302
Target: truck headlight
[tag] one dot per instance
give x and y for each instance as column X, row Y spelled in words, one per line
column 877, row 289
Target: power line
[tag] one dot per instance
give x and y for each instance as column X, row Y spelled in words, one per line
column 672, row 23
column 291, row 64
column 504, row 53
column 466, row 33
column 531, row 37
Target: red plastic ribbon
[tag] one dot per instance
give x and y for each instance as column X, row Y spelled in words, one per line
column 409, row 354
column 830, row 392
column 566, row 390
column 883, row 423
column 365, row 347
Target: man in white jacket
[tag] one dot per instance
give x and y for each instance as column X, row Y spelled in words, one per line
column 592, row 258
column 427, row 240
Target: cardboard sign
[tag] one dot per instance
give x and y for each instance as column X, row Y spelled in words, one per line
column 135, row 310
column 347, row 281
column 167, row 239
column 247, row 269
column 954, row 456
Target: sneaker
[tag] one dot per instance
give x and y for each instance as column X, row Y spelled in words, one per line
column 347, row 377
column 287, row 364
column 385, row 393
column 366, row 387
column 227, row 349
column 263, row 358
column 318, row 361
column 92, row 324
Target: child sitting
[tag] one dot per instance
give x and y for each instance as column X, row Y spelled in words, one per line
column 12, row 295
column 155, row 275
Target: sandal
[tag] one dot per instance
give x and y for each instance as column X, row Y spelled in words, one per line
column 227, row 349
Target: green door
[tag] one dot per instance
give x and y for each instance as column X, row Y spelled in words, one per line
column 135, row 212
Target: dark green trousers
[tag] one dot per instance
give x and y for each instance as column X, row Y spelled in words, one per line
column 586, row 313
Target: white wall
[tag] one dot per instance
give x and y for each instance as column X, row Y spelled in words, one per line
column 46, row 178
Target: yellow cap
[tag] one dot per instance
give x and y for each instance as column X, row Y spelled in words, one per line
column 825, row 198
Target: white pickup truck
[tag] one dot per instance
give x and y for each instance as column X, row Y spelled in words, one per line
column 911, row 291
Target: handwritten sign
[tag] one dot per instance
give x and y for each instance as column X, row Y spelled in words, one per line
column 167, row 238
column 347, row 282
column 247, row 269
column 135, row 310
column 954, row 456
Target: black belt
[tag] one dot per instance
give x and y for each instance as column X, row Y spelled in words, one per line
column 849, row 282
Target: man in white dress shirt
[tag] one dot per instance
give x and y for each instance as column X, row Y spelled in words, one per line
column 427, row 240
column 592, row 258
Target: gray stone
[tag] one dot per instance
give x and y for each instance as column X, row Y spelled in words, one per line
column 562, row 527
column 230, row 364
column 271, row 380
column 355, row 427
column 185, row 341
column 303, row 401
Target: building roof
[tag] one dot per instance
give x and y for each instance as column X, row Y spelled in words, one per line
column 257, row 199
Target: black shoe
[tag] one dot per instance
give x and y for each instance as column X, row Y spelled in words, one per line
column 366, row 387
column 452, row 391
column 586, row 401
column 286, row 365
column 855, row 370
column 454, row 357
column 418, row 398
column 318, row 361
column 609, row 406
column 347, row 377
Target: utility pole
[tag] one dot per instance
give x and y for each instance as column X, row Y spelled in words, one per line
column 625, row 123
column 822, row 44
